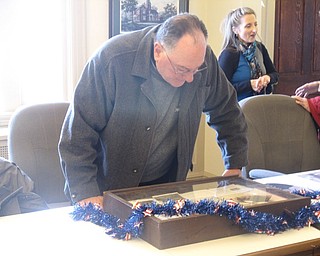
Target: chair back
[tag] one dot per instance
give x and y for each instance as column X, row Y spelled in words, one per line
column 34, row 133
column 282, row 135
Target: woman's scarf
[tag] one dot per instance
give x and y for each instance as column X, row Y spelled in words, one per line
column 248, row 52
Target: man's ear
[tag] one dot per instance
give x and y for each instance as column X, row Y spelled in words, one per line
column 157, row 49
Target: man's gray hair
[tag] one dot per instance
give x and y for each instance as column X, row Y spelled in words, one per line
column 177, row 26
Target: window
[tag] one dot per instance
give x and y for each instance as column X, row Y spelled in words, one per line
column 33, row 53
column 44, row 47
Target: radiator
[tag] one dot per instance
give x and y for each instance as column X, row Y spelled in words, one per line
column 4, row 149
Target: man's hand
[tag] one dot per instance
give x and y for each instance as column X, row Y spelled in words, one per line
column 231, row 172
column 97, row 200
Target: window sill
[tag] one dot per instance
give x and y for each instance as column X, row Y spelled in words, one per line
column 4, row 133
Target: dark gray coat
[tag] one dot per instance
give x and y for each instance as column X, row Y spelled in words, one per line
column 109, row 127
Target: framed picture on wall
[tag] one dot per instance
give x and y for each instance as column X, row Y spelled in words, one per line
column 130, row 15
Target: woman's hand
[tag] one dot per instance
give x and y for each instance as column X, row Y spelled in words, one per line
column 259, row 84
column 308, row 88
column 302, row 102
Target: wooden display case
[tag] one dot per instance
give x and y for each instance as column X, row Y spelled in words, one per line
column 166, row 232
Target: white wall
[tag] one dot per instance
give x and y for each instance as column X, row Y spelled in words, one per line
column 89, row 23
column 98, row 23
column 212, row 12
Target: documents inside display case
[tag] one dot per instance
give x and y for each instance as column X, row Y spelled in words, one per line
column 165, row 232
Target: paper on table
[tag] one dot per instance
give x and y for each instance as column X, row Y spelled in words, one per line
column 293, row 181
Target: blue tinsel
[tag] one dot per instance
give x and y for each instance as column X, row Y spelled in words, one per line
column 252, row 221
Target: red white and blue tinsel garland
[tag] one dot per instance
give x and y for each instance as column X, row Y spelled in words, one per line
column 252, row 221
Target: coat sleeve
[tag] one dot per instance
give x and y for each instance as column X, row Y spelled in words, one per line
column 225, row 116
column 79, row 141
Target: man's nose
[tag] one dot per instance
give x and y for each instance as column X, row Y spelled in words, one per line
column 189, row 77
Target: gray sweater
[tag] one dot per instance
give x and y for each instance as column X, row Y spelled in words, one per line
column 108, row 129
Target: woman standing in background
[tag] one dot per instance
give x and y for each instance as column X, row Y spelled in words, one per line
column 245, row 61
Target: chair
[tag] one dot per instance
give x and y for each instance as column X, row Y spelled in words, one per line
column 34, row 133
column 282, row 136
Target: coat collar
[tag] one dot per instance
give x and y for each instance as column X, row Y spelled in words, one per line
column 142, row 62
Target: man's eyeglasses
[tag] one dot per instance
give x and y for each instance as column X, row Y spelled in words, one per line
column 182, row 70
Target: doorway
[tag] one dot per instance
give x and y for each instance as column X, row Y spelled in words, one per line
column 297, row 43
